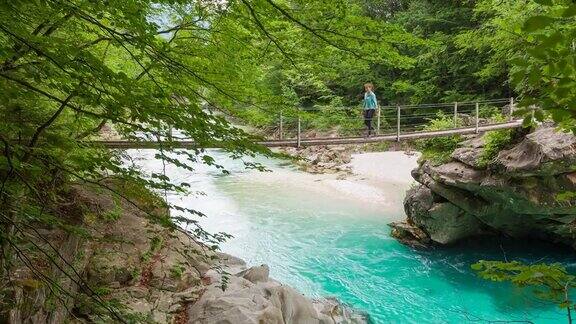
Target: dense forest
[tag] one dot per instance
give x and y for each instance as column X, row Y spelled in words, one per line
column 435, row 51
column 70, row 68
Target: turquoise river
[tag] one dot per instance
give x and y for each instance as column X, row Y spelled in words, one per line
column 328, row 244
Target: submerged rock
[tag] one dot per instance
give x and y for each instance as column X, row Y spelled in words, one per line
column 522, row 193
column 409, row 234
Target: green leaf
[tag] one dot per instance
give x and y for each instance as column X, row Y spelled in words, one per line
column 544, row 2
column 539, row 115
column 538, row 52
column 537, row 22
column 517, row 77
column 570, row 11
column 519, row 61
column 552, row 40
column 534, row 77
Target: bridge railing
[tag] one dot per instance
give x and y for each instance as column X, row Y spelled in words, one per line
column 392, row 119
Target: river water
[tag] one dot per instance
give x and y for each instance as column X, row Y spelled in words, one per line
column 327, row 237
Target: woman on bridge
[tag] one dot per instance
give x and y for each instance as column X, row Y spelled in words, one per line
column 369, row 106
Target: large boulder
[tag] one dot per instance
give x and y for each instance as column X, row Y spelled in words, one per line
column 522, row 193
column 251, row 297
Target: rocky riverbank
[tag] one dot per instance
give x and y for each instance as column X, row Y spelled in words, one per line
column 526, row 191
column 251, row 296
column 323, row 159
column 335, row 159
column 117, row 261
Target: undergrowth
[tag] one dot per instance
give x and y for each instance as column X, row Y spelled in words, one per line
column 438, row 150
column 494, row 142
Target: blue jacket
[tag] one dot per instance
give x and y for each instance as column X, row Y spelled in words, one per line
column 369, row 101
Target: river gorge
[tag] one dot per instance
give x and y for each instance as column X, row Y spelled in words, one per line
column 329, row 236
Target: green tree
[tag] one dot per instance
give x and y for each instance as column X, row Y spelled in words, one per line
column 445, row 69
column 336, row 71
column 546, row 72
column 532, row 44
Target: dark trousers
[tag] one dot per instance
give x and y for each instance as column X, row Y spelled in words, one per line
column 368, row 114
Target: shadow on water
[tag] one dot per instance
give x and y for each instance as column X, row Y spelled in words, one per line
column 453, row 263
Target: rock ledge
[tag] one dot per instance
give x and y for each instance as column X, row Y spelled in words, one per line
column 519, row 194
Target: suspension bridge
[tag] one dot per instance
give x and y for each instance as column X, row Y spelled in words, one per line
column 391, row 123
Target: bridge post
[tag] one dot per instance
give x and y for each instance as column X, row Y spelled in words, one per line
column 378, row 121
column 281, row 126
column 477, row 116
column 298, row 138
column 511, row 117
column 456, row 115
column 398, row 125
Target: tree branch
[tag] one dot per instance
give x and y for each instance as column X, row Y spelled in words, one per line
column 312, row 30
column 47, row 123
column 267, row 34
column 8, row 64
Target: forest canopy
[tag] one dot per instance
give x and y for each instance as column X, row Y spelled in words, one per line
column 441, row 51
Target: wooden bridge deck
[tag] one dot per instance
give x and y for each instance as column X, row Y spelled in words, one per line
column 303, row 142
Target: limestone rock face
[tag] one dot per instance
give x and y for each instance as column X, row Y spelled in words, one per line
column 251, row 297
column 519, row 194
column 245, row 302
column 543, row 152
column 433, row 219
column 469, row 152
column 256, row 274
column 168, row 277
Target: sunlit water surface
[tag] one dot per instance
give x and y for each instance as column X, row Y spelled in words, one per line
column 326, row 245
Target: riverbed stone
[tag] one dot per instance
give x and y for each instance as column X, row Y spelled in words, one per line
column 409, row 234
column 323, row 159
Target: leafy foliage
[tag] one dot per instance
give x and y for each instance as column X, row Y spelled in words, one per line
column 437, row 150
column 446, row 69
column 332, row 78
column 551, row 282
column 532, row 43
column 494, row 142
column 546, row 72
